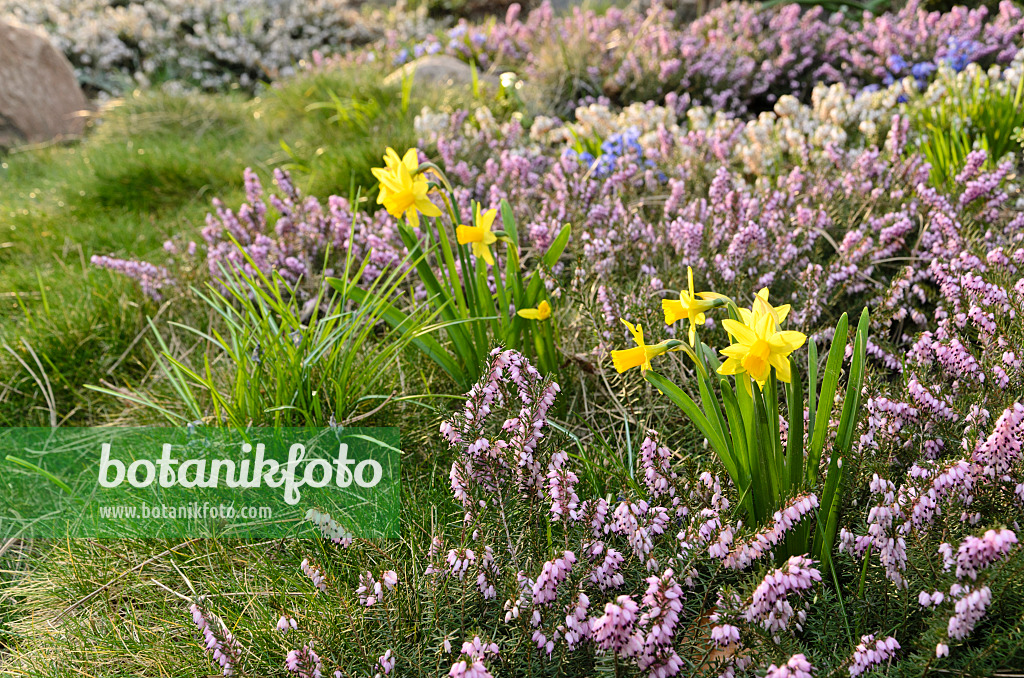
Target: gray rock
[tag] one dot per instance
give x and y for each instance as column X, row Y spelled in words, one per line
column 440, row 70
column 40, row 99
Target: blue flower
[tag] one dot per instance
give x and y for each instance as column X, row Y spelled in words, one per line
column 896, row 64
column 922, row 70
column 960, row 53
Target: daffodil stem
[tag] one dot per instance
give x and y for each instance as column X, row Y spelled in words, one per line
column 437, row 172
column 449, row 258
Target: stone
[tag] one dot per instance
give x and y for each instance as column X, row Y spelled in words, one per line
column 40, row 99
column 440, row 70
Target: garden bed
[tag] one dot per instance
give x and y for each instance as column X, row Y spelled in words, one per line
column 704, row 341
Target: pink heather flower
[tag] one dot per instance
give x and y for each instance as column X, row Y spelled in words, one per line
column 871, row 653
column 663, row 601
column 654, row 461
column 970, row 608
column 387, row 662
column 946, row 551
column 770, row 604
column 725, row 635
column 459, row 561
column 615, row 630
column 741, row 555
column 314, row 574
column 796, row 667
column 941, row 650
column 1003, row 447
column 510, row 462
column 390, row 578
column 606, row 575
column 286, row 623
column 576, row 623
column 151, row 278
column 552, row 574
column 217, row 640
column 473, row 665
column 304, row 662
column 977, row 553
column 370, row 590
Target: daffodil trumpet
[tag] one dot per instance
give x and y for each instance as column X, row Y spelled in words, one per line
column 691, row 306
column 641, row 354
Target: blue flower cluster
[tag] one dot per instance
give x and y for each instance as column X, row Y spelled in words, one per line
column 899, row 68
column 619, row 145
column 959, row 53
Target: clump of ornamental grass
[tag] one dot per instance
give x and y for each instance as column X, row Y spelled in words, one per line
column 282, row 358
column 967, row 111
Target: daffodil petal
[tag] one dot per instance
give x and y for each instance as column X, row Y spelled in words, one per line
column 742, row 333
column 787, row 341
column 629, row 358
column 781, row 365
column 673, row 310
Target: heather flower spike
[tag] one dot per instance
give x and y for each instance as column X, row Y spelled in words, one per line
column 641, row 354
column 690, row 307
column 542, row 312
column 479, row 236
column 403, row 188
column 758, row 348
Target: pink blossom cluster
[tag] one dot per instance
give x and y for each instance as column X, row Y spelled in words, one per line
column 315, row 575
column 871, row 652
column 217, row 640
column 796, row 667
column 615, row 630
column 551, row 575
column 150, row 277
column 486, row 465
column 969, row 609
column 977, row 553
column 770, row 605
column 475, row 651
column 663, row 603
column 741, row 555
column 304, row 662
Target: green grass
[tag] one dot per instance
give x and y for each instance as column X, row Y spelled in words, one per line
column 147, row 171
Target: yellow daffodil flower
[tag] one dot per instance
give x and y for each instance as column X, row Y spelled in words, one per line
column 761, row 307
column 480, row 235
column 542, row 312
column 403, row 190
column 689, row 307
column 391, row 163
column 759, row 348
column 640, row 355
